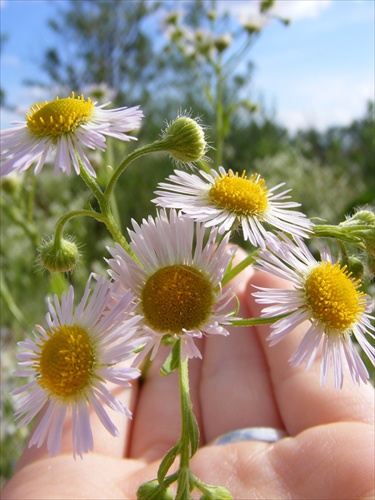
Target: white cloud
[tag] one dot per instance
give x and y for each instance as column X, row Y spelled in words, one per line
column 325, row 101
column 301, row 9
column 291, row 9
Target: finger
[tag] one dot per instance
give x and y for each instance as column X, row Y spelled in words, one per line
column 330, row 462
column 95, row 477
column 236, row 390
column 302, row 401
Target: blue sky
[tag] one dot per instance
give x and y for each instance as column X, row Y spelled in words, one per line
column 317, row 72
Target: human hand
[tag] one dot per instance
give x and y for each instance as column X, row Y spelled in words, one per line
column 240, row 382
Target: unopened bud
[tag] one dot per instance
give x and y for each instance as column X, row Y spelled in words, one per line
column 10, row 184
column 355, row 267
column 216, row 493
column 58, row 256
column 223, row 42
column 211, row 14
column 172, row 19
column 152, row 490
column 362, row 225
column 366, row 217
column 184, row 140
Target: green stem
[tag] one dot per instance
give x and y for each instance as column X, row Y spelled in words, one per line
column 337, row 232
column 17, row 217
column 257, row 321
column 186, row 438
column 30, row 199
column 106, row 215
column 155, row 147
column 71, row 215
column 90, row 182
column 238, row 268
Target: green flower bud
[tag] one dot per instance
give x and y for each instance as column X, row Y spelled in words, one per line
column 252, row 28
column 215, row 493
column 58, row 256
column 184, row 140
column 354, row 266
column 211, row 14
column 10, row 184
column 177, row 35
column 223, row 42
column 172, row 19
column 363, row 217
column 152, row 490
column 362, row 225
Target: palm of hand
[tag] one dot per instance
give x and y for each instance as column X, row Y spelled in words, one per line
column 240, row 382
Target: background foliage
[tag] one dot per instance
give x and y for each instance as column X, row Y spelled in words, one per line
column 112, row 55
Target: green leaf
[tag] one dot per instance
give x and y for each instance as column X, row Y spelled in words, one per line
column 193, row 433
column 167, row 462
column 172, row 362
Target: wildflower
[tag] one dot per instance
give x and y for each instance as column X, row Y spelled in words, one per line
column 176, row 280
column 65, row 125
column 326, row 295
column 227, row 199
column 70, row 362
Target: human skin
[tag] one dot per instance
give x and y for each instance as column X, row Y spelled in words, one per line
column 240, row 382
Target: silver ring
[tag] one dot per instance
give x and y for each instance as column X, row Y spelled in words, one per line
column 267, row 434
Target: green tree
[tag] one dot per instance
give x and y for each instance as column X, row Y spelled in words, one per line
column 352, row 147
column 103, row 42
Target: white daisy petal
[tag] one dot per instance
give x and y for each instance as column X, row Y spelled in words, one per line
column 177, row 280
column 324, row 294
column 81, row 347
column 224, row 200
column 65, row 125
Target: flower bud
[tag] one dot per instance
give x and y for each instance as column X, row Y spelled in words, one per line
column 172, row 18
column 58, row 256
column 362, row 225
column 222, row 42
column 152, row 490
column 10, row 184
column 215, row 492
column 355, row 267
column 366, row 217
column 212, row 15
column 184, row 140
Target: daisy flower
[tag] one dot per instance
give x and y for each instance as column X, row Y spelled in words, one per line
column 72, row 359
column 325, row 294
column 225, row 199
column 65, row 125
column 177, row 279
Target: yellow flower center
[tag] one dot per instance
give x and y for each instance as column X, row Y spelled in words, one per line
column 333, row 296
column 175, row 298
column 66, row 361
column 241, row 195
column 60, row 116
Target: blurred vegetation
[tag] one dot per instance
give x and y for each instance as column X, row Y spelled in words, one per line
column 146, row 53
